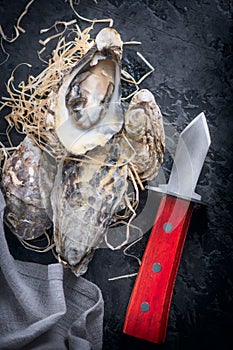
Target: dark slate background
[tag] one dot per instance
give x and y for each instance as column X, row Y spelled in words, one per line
column 190, row 45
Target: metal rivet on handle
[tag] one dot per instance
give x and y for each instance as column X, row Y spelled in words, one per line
column 167, row 227
column 156, row 267
column 145, row 306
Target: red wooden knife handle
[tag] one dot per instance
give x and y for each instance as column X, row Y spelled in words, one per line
column 148, row 309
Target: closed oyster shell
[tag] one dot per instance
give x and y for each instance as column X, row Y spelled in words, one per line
column 86, row 106
column 84, row 199
column 27, row 181
column 145, row 132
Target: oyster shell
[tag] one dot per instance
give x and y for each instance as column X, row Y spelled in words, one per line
column 27, row 181
column 87, row 194
column 144, row 129
column 86, row 106
column 84, row 199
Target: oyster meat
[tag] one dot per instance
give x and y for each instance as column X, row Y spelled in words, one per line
column 86, row 106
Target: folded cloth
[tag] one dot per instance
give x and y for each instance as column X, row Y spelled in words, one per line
column 46, row 307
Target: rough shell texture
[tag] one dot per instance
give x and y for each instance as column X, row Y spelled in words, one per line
column 144, row 129
column 26, row 182
column 86, row 106
column 109, row 38
column 84, row 199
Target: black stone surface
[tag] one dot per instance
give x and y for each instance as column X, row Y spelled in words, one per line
column 190, row 45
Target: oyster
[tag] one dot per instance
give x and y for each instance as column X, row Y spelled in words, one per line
column 86, row 106
column 145, row 132
column 81, row 195
column 89, row 191
column 27, row 181
column 84, row 199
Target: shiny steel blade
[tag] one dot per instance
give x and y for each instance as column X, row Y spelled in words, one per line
column 192, row 147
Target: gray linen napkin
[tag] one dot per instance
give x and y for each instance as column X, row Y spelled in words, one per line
column 46, row 307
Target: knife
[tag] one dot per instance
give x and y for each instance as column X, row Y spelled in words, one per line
column 148, row 309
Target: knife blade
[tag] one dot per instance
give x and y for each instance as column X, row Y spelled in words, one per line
column 148, row 309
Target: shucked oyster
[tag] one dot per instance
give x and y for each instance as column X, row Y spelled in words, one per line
column 145, row 132
column 86, row 106
column 27, row 181
column 84, row 199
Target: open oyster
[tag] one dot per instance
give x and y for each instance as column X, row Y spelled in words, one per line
column 86, row 106
column 27, row 181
